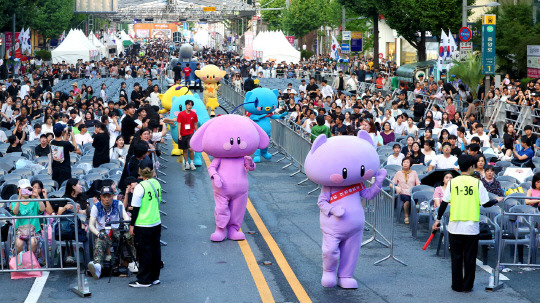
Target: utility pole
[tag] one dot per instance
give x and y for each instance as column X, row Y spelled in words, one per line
column 13, row 41
column 342, row 17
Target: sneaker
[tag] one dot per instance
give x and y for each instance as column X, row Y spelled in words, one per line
column 136, row 284
column 133, row 267
column 70, row 260
column 192, row 166
column 94, row 269
column 156, row 282
column 186, row 166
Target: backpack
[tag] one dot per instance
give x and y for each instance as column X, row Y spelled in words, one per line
column 66, row 228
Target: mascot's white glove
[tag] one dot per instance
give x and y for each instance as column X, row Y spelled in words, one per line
column 337, row 211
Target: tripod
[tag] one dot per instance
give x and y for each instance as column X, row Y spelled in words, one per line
column 122, row 242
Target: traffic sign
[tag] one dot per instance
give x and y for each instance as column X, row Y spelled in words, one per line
column 488, row 44
column 346, row 35
column 209, row 9
column 345, row 48
column 465, row 49
column 465, row 34
column 381, row 55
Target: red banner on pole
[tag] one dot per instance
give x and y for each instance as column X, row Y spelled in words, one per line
column 9, row 44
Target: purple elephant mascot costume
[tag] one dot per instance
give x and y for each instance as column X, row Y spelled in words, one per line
column 230, row 139
column 341, row 165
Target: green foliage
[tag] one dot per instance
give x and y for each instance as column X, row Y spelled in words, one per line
column 43, row 54
column 469, row 71
column 272, row 18
column 303, row 16
column 306, row 54
column 52, row 17
column 515, row 30
column 409, row 17
column 331, row 14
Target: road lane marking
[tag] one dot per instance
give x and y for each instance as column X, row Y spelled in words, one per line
column 295, row 284
column 37, row 288
column 253, row 266
column 490, row 270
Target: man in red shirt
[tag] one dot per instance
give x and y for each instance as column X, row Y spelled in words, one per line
column 187, row 125
column 187, row 72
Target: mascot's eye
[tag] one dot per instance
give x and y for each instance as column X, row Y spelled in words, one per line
column 344, row 173
column 214, row 77
column 238, row 140
column 232, row 141
column 207, row 76
column 362, row 170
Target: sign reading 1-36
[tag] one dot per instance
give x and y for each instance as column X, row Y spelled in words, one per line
column 488, row 44
column 465, row 34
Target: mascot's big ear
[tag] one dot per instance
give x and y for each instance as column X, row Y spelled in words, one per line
column 196, row 141
column 276, row 92
column 365, row 136
column 264, row 140
column 223, row 73
column 321, row 139
column 198, row 74
column 248, row 95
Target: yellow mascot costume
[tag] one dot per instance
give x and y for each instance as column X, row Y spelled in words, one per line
column 210, row 75
column 166, row 102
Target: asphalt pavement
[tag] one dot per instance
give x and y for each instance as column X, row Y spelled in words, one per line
column 281, row 255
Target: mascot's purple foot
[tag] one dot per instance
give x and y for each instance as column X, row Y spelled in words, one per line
column 329, row 279
column 348, row 283
column 219, row 235
column 236, row 235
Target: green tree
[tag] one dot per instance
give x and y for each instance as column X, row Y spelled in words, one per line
column 413, row 18
column 302, row 17
column 515, row 30
column 469, row 71
column 272, row 17
column 368, row 9
column 25, row 11
column 61, row 11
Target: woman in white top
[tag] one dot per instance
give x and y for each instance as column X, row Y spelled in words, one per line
column 437, row 114
column 119, row 152
column 429, row 153
column 352, row 84
column 83, row 137
column 47, row 127
column 154, row 97
column 103, row 94
column 396, row 157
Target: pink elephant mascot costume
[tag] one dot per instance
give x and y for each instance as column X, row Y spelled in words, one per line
column 230, row 139
column 341, row 164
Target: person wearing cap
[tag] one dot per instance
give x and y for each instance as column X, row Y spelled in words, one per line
column 60, row 150
column 467, row 194
column 107, row 209
column 76, row 89
column 146, row 226
column 28, row 229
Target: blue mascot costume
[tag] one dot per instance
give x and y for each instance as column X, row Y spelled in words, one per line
column 202, row 115
column 261, row 103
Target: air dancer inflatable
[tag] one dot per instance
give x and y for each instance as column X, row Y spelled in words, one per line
column 230, row 139
column 261, row 103
column 210, row 75
column 341, row 164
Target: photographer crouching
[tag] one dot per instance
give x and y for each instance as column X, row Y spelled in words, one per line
column 105, row 211
column 146, row 226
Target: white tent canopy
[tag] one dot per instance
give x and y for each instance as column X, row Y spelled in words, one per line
column 95, row 41
column 118, row 42
column 275, row 47
column 201, row 37
column 108, row 43
column 74, row 47
column 124, row 36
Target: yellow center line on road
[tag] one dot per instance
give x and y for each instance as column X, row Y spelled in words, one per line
column 253, row 266
column 289, row 274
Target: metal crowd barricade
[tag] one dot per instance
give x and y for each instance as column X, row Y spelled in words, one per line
column 230, row 94
column 522, row 223
column 379, row 214
column 49, row 255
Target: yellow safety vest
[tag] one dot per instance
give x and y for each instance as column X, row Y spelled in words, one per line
column 465, row 199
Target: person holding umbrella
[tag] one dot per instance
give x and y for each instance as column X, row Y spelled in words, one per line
column 466, row 194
